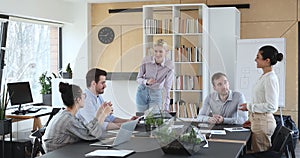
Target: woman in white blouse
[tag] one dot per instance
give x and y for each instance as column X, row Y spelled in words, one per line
column 264, row 100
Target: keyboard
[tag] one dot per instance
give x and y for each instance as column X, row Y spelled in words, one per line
column 33, row 110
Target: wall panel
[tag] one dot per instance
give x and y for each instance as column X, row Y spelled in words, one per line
column 264, row 29
column 107, row 56
column 132, row 47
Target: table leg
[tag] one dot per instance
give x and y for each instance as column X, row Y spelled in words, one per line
column 37, row 124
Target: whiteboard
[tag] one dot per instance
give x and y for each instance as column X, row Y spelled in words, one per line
column 246, row 71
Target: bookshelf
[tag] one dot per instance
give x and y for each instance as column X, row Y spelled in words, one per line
column 185, row 28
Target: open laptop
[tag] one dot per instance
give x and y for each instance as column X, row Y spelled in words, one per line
column 123, row 135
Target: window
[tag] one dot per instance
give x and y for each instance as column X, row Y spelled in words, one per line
column 31, row 49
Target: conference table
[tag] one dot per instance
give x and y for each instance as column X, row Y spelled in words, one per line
column 43, row 110
column 231, row 145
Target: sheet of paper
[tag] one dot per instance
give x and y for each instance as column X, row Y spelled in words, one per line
column 205, row 131
column 237, row 129
column 177, row 126
column 117, row 131
column 218, row 132
column 115, row 153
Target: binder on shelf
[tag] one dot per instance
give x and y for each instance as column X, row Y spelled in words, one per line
column 200, row 30
column 200, row 82
column 176, row 24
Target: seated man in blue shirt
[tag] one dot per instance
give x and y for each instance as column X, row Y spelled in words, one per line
column 95, row 81
column 222, row 106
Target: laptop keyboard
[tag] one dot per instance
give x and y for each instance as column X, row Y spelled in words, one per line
column 108, row 141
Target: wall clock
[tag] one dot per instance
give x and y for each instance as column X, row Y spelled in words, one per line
column 106, row 35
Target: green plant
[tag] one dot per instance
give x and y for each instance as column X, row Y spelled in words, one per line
column 46, row 83
column 190, row 137
column 4, row 102
column 68, row 69
column 152, row 121
column 149, row 120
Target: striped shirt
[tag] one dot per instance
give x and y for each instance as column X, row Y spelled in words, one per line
column 163, row 74
column 64, row 129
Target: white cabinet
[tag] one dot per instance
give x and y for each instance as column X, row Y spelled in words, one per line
column 185, row 28
column 224, row 28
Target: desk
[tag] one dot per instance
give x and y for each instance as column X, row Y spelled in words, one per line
column 45, row 110
column 149, row 147
column 216, row 149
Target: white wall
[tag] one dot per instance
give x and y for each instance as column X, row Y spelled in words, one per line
column 122, row 95
column 53, row 10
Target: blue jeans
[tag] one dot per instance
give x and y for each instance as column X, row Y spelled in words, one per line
column 147, row 98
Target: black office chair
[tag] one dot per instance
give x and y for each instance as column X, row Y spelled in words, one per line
column 38, row 134
column 283, row 143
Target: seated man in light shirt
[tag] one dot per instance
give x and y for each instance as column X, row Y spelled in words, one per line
column 95, row 81
column 222, row 106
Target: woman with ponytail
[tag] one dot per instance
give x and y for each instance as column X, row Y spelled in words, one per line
column 64, row 128
column 264, row 100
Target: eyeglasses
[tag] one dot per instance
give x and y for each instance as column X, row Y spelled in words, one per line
column 83, row 95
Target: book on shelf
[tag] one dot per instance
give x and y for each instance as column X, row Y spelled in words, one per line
column 199, row 25
column 184, row 110
column 158, row 26
column 188, row 54
column 197, row 54
column 176, row 24
column 187, row 25
column 188, row 82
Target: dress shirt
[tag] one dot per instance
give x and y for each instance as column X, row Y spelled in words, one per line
column 163, row 74
column 228, row 109
column 91, row 105
column 265, row 94
column 64, row 129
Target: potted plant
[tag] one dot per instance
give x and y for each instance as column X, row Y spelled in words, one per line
column 46, row 90
column 182, row 139
column 68, row 73
column 5, row 124
column 153, row 120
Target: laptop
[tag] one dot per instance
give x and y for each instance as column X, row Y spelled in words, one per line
column 123, row 135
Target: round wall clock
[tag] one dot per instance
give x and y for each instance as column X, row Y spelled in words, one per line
column 106, row 35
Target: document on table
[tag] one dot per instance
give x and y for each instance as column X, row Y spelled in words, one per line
column 114, row 153
column 117, row 131
column 218, row 132
column 237, row 129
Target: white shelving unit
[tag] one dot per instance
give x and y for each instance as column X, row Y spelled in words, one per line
column 185, row 28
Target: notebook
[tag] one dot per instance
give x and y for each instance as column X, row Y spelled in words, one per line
column 123, row 136
column 111, row 153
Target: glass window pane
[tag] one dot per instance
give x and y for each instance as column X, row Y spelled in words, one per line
column 31, row 50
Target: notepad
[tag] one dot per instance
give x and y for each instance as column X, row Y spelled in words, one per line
column 218, row 132
column 114, row 153
column 237, row 129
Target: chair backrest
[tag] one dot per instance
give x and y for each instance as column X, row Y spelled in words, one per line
column 281, row 139
column 54, row 111
column 38, row 134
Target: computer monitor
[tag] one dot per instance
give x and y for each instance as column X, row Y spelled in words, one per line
column 19, row 93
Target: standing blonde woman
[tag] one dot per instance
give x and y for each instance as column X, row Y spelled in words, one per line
column 155, row 74
column 264, row 100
